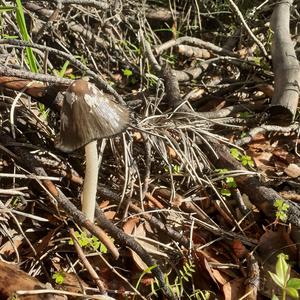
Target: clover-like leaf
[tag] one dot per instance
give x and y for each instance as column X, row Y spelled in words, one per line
column 292, row 292
column 294, row 283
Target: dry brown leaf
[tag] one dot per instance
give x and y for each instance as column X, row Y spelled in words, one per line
column 234, row 289
column 130, row 224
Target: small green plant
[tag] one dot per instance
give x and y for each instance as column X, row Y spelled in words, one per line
column 147, row 271
column 225, row 192
column 43, row 110
column 16, row 201
column 289, row 286
column 228, row 183
column 59, row 277
column 282, row 208
column 175, row 169
column 88, row 241
column 31, row 59
column 246, row 160
column 243, row 134
column 177, row 289
column 235, row 153
column 63, row 70
column 222, row 171
column 127, row 72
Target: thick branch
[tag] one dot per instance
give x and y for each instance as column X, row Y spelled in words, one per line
column 286, row 68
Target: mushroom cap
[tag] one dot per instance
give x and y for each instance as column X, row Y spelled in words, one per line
column 86, row 115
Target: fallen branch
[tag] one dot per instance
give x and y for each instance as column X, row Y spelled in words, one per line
column 286, row 68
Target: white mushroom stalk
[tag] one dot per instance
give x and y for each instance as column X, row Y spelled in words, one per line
column 90, row 181
column 86, row 116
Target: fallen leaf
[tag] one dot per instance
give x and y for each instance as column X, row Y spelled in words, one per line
column 234, row 289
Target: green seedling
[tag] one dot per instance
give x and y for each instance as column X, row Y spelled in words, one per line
column 257, row 60
column 59, row 277
column 31, row 59
column 175, row 169
column 222, row 171
column 177, row 288
column 86, row 241
column 243, row 134
column 235, row 153
column 289, row 286
column 229, row 183
column 145, row 272
column 127, row 72
column 63, row 70
column 225, row 192
column 282, row 208
column 246, row 160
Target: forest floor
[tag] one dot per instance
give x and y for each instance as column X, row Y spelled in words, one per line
column 197, row 197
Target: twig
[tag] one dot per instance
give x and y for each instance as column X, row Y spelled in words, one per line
column 21, row 74
column 86, row 263
column 254, row 38
column 194, row 42
column 71, row 58
column 95, row 3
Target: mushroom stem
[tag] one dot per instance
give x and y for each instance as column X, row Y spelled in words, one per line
column 90, row 180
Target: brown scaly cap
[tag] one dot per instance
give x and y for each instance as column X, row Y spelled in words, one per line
column 87, row 114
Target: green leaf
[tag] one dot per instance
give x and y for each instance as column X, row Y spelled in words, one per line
column 282, row 268
column 247, row 161
column 63, row 70
column 103, row 248
column 243, row 134
column 294, row 283
column 225, row 192
column 222, row 171
column 7, row 36
column 235, row 153
column 58, row 277
column 275, row 297
column 95, row 242
column 292, row 292
column 176, row 169
column 285, row 206
column 6, row 8
column 20, row 18
column 276, row 279
column 230, row 182
column 127, row 72
column 281, row 215
column 257, row 60
column 278, row 203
